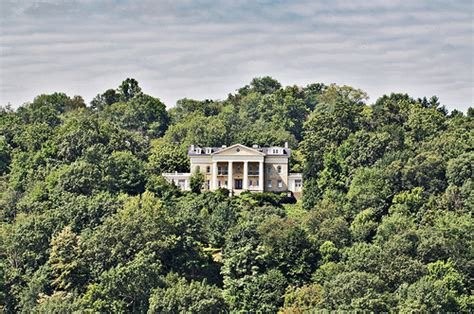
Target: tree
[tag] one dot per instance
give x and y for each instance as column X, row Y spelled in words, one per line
column 460, row 170
column 142, row 113
column 392, row 109
column 58, row 302
column 338, row 115
column 262, row 85
column 124, row 172
column 196, row 182
column 364, row 225
column 66, row 268
column 370, row 187
column 5, row 153
column 128, row 89
column 440, row 290
column 101, row 101
column 78, row 177
column 166, row 157
column 288, row 249
column 426, row 170
column 125, row 287
column 185, row 108
column 260, row 292
column 179, row 296
column 304, row 298
column 354, row 291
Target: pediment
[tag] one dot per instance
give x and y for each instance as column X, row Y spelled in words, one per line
column 238, row 150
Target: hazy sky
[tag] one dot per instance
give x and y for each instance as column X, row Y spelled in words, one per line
column 207, row 49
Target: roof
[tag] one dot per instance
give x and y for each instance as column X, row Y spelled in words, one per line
column 195, row 150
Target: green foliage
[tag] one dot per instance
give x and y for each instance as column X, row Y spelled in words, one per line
column 440, row 290
column 460, row 170
column 59, row 302
column 89, row 224
column 364, row 225
column 370, row 188
column 259, row 292
column 179, row 296
column 141, row 113
column 128, row 89
column 124, row 173
column 355, row 290
column 196, row 182
column 5, row 153
column 125, row 287
column 64, row 261
column 304, row 298
column 166, row 157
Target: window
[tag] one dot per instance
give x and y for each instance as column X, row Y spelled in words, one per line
column 208, row 184
column 208, row 150
column 256, row 183
column 269, row 169
column 225, row 182
column 253, row 171
column 279, row 169
column 269, row 183
column 275, row 151
column 280, row 184
column 198, row 168
column 222, row 170
column 250, row 183
column 208, row 169
column 298, row 183
column 219, row 183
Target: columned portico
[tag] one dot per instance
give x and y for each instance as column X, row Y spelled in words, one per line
column 245, row 185
column 238, row 169
column 214, row 176
column 230, row 182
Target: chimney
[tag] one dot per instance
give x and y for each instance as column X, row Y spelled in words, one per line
column 192, row 148
column 224, row 146
column 286, row 144
column 254, row 146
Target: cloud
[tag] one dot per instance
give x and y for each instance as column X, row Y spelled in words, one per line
column 206, row 49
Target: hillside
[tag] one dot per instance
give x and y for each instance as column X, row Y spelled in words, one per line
column 88, row 223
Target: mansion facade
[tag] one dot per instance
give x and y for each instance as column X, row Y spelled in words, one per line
column 240, row 168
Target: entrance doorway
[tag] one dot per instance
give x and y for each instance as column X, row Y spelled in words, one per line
column 238, row 184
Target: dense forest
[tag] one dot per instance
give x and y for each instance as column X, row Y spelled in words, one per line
column 88, row 224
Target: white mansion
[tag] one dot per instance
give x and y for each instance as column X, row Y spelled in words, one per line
column 241, row 168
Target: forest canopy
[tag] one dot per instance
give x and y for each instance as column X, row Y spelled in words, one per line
column 87, row 223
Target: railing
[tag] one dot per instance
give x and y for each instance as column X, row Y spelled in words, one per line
column 253, row 173
column 183, row 174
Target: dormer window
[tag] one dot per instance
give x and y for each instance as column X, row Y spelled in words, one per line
column 198, row 150
column 275, row 151
column 208, row 150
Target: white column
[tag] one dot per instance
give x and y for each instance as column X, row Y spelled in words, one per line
column 261, row 184
column 246, row 178
column 214, row 176
column 230, row 184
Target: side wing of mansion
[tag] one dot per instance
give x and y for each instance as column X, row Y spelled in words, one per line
column 241, row 168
